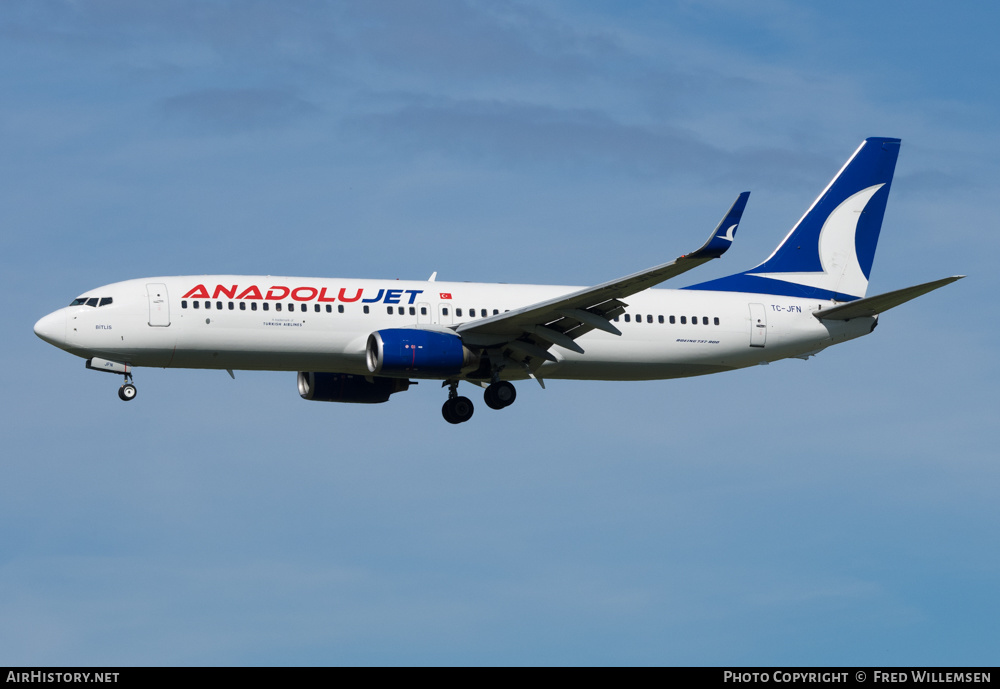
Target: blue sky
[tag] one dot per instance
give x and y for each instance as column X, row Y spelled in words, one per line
column 836, row 511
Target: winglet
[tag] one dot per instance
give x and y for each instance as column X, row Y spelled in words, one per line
column 722, row 237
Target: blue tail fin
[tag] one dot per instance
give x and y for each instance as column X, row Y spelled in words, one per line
column 829, row 252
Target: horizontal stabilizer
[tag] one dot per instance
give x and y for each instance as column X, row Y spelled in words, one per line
column 871, row 306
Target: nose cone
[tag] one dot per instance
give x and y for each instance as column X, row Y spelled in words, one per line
column 52, row 328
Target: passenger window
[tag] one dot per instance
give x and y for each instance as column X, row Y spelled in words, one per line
column 423, row 310
column 444, row 312
column 660, row 318
column 253, row 306
column 208, row 304
column 628, row 318
column 694, row 320
column 265, row 306
column 684, row 320
column 458, row 312
column 388, row 309
column 243, row 306
column 716, row 320
column 329, row 309
column 184, row 303
column 638, row 318
column 366, row 308
column 196, row 304
column 704, row 320
column 649, row 318
column 231, row 306
column 673, row 320
column 340, row 308
column 218, row 305
column 316, row 309
column 277, row 307
column 413, row 311
column 303, row 308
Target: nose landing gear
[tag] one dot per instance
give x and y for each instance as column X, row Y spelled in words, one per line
column 127, row 392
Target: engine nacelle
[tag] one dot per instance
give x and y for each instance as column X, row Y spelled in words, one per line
column 345, row 387
column 419, row 353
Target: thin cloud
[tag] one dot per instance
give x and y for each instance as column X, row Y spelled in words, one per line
column 575, row 139
column 237, row 109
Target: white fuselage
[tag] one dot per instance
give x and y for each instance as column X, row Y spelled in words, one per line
column 313, row 324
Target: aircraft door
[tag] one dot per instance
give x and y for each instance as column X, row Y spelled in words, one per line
column 758, row 325
column 159, row 305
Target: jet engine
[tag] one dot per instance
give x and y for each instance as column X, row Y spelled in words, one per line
column 344, row 387
column 419, row 353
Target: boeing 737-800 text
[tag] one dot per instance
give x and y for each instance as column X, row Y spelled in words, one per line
column 363, row 340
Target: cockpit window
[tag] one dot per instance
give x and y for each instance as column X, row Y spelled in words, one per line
column 91, row 301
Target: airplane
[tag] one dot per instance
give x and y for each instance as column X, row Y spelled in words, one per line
column 361, row 341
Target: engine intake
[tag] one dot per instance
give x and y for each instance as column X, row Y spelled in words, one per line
column 423, row 353
column 345, row 387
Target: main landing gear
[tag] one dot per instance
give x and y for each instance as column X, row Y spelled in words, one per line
column 459, row 409
column 499, row 395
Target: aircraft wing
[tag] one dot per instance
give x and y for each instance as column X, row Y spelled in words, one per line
column 529, row 331
column 870, row 306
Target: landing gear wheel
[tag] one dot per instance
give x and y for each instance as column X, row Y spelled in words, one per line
column 447, row 413
column 500, row 395
column 457, row 410
column 127, row 392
